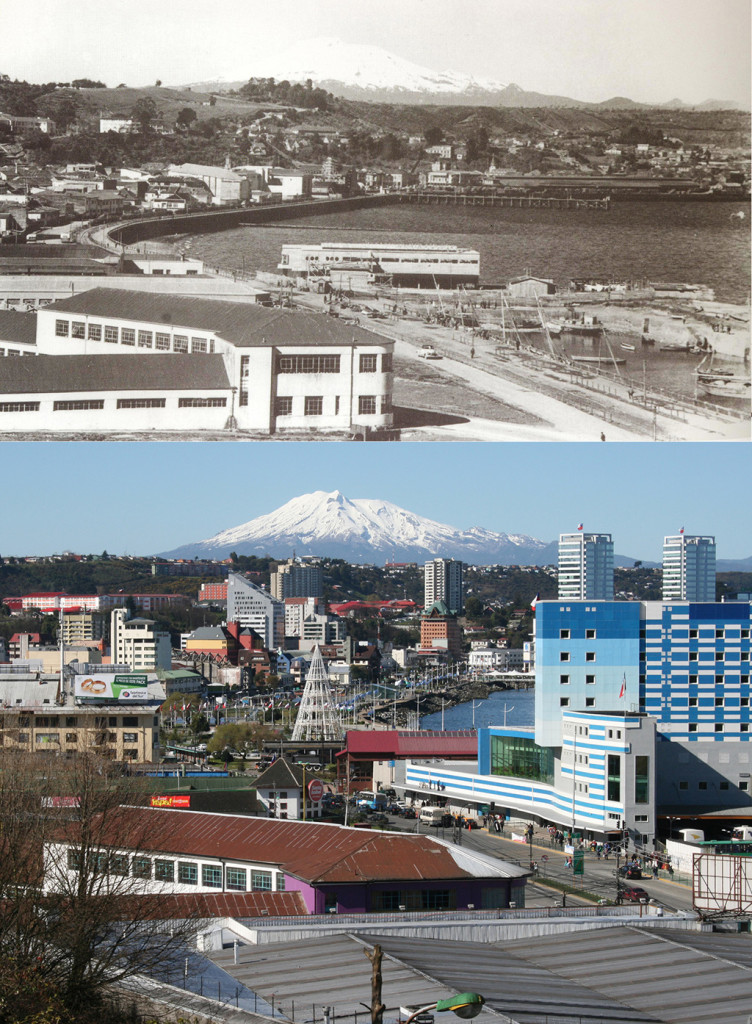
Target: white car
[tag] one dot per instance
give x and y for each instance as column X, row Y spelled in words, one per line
column 428, row 352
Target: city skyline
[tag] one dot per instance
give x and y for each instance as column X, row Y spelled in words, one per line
column 143, row 498
column 585, row 49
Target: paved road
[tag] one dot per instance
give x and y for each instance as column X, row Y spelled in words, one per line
column 599, row 877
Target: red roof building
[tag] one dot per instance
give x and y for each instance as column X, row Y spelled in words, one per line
column 332, row 867
column 366, row 747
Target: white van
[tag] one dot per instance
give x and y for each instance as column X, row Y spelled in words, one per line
column 434, row 815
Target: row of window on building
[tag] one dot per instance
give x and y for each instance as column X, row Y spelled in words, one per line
column 161, row 341
column 94, row 404
column 184, row 872
column 368, row 362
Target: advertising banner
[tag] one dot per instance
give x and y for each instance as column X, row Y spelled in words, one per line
column 170, row 801
column 111, row 687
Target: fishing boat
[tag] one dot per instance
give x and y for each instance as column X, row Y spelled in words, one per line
column 553, row 328
column 580, row 327
column 724, row 387
column 628, row 346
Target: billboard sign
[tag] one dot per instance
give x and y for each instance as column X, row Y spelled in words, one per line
column 722, row 883
column 170, row 801
column 111, row 687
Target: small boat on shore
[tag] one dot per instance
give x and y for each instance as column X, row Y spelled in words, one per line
column 607, row 360
column 628, row 346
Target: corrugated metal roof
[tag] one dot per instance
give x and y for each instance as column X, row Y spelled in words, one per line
column 312, row 851
column 525, row 992
column 330, row 971
column 18, row 327
column 671, row 975
column 222, row 904
column 109, row 372
column 241, row 324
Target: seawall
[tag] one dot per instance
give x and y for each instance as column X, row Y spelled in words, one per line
column 129, row 232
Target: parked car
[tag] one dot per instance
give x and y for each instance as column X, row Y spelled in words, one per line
column 409, row 812
column 633, row 894
column 630, row 871
column 378, row 818
column 428, row 352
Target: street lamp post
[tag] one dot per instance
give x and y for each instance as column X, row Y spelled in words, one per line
column 466, row 1005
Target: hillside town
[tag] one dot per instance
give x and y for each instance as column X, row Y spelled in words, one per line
column 83, row 160
column 293, row 723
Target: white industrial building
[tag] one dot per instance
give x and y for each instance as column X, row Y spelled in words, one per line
column 105, row 362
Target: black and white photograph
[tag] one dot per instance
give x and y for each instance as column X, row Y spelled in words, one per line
column 400, row 221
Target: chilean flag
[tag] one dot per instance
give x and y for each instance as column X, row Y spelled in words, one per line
column 534, row 602
column 682, row 530
column 579, row 526
column 623, row 690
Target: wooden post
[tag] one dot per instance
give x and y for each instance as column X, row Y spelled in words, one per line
column 377, row 1007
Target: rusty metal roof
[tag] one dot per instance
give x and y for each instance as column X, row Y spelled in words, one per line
column 312, row 851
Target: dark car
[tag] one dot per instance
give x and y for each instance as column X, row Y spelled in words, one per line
column 378, row 818
column 409, row 813
column 634, row 894
column 631, row 871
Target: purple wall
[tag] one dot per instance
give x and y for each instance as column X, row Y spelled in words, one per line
column 359, row 899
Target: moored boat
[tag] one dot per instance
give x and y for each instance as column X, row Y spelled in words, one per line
column 724, row 387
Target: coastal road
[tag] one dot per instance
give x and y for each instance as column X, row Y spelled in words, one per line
column 599, row 877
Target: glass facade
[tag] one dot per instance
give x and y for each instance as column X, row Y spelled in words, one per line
column 642, row 779
column 521, row 758
column 613, row 778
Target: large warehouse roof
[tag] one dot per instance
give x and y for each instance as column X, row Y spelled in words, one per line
column 242, row 324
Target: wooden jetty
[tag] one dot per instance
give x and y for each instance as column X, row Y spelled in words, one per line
column 468, row 199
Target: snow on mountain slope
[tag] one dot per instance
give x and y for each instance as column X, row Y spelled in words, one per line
column 365, row 66
column 361, row 530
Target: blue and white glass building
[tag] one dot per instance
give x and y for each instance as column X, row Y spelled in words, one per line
column 586, row 566
column 688, row 568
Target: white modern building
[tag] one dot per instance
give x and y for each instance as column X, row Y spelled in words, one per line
column 688, row 568
column 106, row 362
column 256, row 609
column 586, row 566
column 138, row 643
column 443, row 582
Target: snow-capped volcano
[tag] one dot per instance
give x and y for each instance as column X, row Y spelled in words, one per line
column 363, row 530
column 362, row 71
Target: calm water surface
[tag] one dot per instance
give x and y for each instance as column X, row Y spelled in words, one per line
column 519, row 704
column 693, row 242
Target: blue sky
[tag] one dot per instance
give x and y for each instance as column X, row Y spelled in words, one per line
column 648, row 50
column 151, row 497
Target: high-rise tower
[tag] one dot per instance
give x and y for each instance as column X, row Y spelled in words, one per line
column 443, row 582
column 688, row 568
column 586, row 566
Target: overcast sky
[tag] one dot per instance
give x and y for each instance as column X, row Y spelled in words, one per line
column 150, row 497
column 648, row 50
